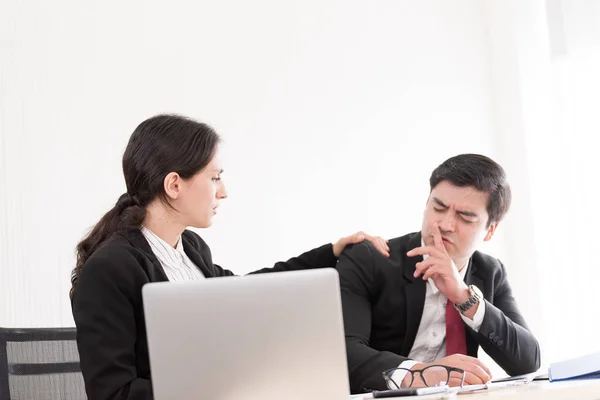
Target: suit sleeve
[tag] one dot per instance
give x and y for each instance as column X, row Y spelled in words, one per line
column 504, row 335
column 321, row 257
column 358, row 288
column 317, row 258
column 104, row 313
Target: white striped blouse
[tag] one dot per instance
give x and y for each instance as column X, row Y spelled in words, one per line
column 175, row 262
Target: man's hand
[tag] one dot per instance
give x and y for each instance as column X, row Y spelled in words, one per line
column 379, row 243
column 476, row 372
column 440, row 267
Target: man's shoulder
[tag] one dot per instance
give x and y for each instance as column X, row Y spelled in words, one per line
column 485, row 260
column 406, row 242
column 365, row 256
column 487, row 265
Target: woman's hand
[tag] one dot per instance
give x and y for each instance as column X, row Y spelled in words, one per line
column 378, row 242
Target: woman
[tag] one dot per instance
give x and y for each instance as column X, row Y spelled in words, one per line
column 173, row 176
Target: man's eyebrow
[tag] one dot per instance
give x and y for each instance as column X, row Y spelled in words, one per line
column 465, row 213
column 468, row 213
column 439, row 202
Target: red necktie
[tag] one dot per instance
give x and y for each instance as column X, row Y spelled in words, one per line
column 456, row 339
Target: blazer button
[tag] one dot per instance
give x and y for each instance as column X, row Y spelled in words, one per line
column 495, row 339
column 492, row 335
column 500, row 342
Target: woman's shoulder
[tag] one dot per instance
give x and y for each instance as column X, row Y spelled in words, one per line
column 115, row 268
column 116, row 256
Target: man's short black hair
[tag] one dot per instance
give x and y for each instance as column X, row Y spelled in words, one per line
column 480, row 172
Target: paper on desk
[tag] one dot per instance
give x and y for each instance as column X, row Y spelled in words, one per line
column 587, row 366
column 525, row 377
column 499, row 384
column 361, row 396
column 451, row 394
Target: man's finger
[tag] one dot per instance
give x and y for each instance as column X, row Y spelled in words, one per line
column 437, row 238
column 419, row 251
column 464, row 359
column 472, row 379
column 431, row 271
column 422, row 266
column 455, row 381
column 475, row 370
column 483, row 374
column 480, row 363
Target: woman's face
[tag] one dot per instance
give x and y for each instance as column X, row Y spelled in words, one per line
column 199, row 196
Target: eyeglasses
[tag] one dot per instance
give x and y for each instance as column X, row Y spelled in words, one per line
column 433, row 375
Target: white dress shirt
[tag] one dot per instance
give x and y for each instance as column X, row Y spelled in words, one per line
column 430, row 342
column 176, row 264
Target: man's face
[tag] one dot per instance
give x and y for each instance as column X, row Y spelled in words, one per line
column 461, row 214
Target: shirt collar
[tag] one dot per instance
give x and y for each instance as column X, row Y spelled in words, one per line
column 162, row 249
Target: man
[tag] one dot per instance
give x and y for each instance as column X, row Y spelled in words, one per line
column 436, row 299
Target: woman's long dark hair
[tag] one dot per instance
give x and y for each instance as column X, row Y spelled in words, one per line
column 158, row 146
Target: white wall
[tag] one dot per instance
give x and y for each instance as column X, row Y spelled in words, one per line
column 518, row 41
column 333, row 114
column 544, row 59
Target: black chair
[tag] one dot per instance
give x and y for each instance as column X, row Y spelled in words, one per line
column 40, row 364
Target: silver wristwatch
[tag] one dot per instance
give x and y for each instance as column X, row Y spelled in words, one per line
column 475, row 297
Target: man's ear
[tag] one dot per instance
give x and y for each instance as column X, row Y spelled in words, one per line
column 490, row 231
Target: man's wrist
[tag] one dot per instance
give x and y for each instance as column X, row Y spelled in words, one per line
column 475, row 297
column 462, row 296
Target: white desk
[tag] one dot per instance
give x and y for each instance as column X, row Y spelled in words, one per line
column 537, row 390
column 542, row 390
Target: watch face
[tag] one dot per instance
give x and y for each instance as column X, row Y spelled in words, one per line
column 477, row 291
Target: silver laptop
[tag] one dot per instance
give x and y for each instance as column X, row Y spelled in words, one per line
column 275, row 336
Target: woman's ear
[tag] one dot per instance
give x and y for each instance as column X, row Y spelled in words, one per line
column 172, row 185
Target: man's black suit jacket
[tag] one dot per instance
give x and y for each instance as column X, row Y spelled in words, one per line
column 108, row 312
column 383, row 304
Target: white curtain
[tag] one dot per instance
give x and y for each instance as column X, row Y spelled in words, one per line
column 546, row 73
column 567, row 209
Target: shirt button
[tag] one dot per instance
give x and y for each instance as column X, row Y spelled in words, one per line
column 434, row 334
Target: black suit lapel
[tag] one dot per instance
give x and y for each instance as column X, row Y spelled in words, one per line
column 137, row 239
column 415, row 296
column 471, row 277
column 196, row 257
